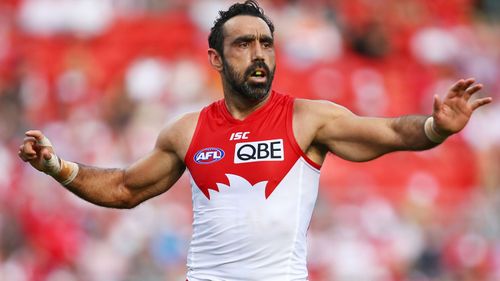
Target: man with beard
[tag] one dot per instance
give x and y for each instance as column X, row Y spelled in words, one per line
column 254, row 157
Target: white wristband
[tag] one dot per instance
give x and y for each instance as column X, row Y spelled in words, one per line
column 63, row 171
column 431, row 133
column 74, row 168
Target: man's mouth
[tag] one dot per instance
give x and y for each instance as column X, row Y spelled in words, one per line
column 258, row 76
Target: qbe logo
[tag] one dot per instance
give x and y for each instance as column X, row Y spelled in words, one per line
column 209, row 155
column 268, row 150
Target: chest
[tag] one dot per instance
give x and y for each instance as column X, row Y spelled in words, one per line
column 258, row 151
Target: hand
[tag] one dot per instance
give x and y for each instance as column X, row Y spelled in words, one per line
column 37, row 150
column 452, row 114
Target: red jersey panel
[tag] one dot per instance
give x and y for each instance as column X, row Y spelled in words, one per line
column 260, row 148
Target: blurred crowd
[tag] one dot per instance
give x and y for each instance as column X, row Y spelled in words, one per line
column 102, row 77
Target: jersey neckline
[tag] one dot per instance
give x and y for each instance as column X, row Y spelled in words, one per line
column 253, row 115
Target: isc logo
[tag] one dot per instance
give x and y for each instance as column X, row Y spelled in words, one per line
column 268, row 150
column 239, row 136
column 209, row 155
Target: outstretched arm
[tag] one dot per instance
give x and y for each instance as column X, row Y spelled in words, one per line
column 116, row 188
column 358, row 138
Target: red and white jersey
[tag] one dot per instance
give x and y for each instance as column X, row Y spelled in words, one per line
column 254, row 191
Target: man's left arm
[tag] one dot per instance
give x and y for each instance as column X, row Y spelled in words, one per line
column 359, row 139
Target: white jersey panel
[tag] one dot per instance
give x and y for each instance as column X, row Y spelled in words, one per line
column 240, row 235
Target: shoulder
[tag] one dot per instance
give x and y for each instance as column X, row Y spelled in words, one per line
column 310, row 117
column 176, row 135
column 318, row 110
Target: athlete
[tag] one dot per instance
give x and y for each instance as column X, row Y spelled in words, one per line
column 254, row 157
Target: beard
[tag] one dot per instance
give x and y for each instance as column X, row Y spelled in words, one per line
column 239, row 83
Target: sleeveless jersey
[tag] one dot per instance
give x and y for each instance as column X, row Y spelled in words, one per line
column 253, row 192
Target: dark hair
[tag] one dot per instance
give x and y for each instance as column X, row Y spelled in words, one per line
column 250, row 8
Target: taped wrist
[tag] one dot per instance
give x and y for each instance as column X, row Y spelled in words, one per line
column 431, row 133
column 63, row 171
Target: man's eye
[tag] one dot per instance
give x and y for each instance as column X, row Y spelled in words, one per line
column 243, row 44
column 267, row 45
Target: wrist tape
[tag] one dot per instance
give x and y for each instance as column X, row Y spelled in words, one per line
column 63, row 171
column 431, row 133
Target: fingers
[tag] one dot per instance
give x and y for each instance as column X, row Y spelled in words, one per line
column 437, row 103
column 25, row 156
column 472, row 90
column 36, row 134
column 480, row 102
column 468, row 83
column 461, row 86
column 456, row 88
column 27, row 150
column 35, row 145
column 29, row 146
column 468, row 89
column 21, row 154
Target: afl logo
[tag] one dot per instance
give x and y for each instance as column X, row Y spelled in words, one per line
column 209, row 155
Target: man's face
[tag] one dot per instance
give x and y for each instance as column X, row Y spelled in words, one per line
column 249, row 58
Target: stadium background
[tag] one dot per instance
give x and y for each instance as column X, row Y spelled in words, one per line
column 101, row 78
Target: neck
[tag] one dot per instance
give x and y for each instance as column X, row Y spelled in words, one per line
column 239, row 106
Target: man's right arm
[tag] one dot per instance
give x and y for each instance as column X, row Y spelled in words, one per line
column 150, row 176
column 126, row 188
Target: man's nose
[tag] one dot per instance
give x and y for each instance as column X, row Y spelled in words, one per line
column 257, row 53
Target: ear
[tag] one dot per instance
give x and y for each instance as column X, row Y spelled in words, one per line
column 215, row 59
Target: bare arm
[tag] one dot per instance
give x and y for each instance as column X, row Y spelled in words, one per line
column 358, row 138
column 122, row 188
column 126, row 188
